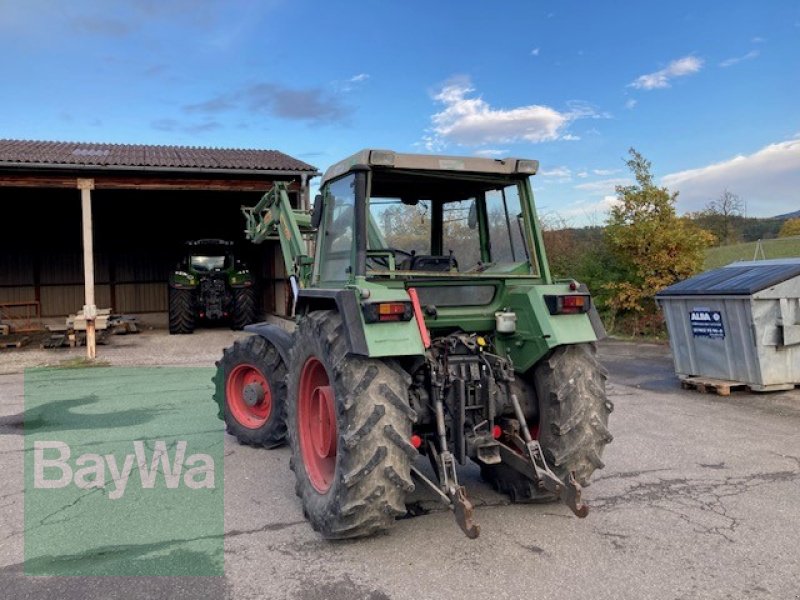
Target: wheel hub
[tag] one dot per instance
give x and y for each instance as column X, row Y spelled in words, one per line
column 253, row 393
column 316, row 424
column 323, row 429
column 248, row 396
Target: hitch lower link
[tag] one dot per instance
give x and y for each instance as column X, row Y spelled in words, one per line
column 526, row 458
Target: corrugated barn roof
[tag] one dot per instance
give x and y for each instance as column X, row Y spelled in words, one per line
column 85, row 154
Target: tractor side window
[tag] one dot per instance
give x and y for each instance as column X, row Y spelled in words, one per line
column 506, row 225
column 457, row 235
column 338, row 237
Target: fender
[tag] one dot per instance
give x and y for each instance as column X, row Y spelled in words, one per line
column 344, row 301
column 280, row 338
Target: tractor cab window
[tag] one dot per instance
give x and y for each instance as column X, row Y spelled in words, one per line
column 337, row 237
column 506, row 226
column 205, row 264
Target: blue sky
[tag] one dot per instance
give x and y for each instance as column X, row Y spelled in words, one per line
column 708, row 91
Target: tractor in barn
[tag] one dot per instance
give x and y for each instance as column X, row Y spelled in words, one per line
column 426, row 323
column 210, row 284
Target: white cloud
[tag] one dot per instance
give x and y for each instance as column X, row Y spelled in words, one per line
column 767, row 180
column 661, row 79
column 758, row 40
column 562, row 174
column 605, row 172
column 592, row 212
column 630, row 103
column 491, row 152
column 359, row 78
column 535, row 52
column 570, row 138
column 603, row 187
column 583, row 174
column 729, row 62
column 469, row 120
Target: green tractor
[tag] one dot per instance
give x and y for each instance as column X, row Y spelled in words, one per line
column 210, row 284
column 427, row 323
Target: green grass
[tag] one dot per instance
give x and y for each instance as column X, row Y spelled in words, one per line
column 777, row 248
column 80, row 363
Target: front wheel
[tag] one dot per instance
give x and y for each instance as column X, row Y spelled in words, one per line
column 349, row 425
column 251, row 392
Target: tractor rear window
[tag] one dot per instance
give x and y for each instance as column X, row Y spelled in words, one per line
column 208, row 263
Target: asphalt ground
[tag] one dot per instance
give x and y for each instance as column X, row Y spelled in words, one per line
column 698, row 500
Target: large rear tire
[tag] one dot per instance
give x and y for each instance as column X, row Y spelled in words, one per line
column 250, row 390
column 244, row 307
column 349, row 425
column 181, row 311
column 573, row 421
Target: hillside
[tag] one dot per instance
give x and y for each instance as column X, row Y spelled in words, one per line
column 776, row 248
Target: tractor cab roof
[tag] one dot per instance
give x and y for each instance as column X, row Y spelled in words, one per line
column 388, row 159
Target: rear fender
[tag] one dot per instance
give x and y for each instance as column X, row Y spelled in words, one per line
column 278, row 337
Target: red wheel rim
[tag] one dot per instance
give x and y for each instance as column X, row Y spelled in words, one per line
column 316, row 424
column 249, row 397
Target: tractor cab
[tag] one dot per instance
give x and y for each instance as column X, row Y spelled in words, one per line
column 388, row 215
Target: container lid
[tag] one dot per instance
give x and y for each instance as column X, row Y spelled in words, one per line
column 736, row 279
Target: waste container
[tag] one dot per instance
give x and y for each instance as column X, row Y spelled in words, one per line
column 739, row 323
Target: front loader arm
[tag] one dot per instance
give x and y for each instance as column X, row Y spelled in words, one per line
column 274, row 218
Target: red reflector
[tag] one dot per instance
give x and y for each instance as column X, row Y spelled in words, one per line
column 416, row 441
column 496, row 432
column 391, row 308
column 574, row 301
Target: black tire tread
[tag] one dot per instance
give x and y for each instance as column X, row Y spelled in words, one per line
column 244, row 307
column 373, row 462
column 573, row 422
column 181, row 311
column 257, row 351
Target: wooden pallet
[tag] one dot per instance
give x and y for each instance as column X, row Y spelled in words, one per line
column 16, row 343
column 714, row 386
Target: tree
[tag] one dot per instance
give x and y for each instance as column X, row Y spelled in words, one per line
column 721, row 215
column 790, row 228
column 651, row 245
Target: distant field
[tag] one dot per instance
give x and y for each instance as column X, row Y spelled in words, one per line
column 777, row 248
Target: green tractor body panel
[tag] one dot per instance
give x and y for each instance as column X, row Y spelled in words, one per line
column 398, row 338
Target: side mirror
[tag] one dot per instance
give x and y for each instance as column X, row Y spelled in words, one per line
column 472, row 219
column 316, row 213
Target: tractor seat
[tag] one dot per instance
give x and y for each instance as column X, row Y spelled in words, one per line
column 428, row 262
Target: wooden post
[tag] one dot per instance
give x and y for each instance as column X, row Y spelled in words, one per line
column 89, row 308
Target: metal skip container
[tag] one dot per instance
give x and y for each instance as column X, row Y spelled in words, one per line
column 739, row 323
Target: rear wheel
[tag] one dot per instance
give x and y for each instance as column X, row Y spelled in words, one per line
column 244, row 307
column 181, row 310
column 251, row 392
column 573, row 421
column 349, row 425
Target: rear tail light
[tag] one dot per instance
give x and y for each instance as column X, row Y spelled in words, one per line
column 568, row 304
column 376, row 312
